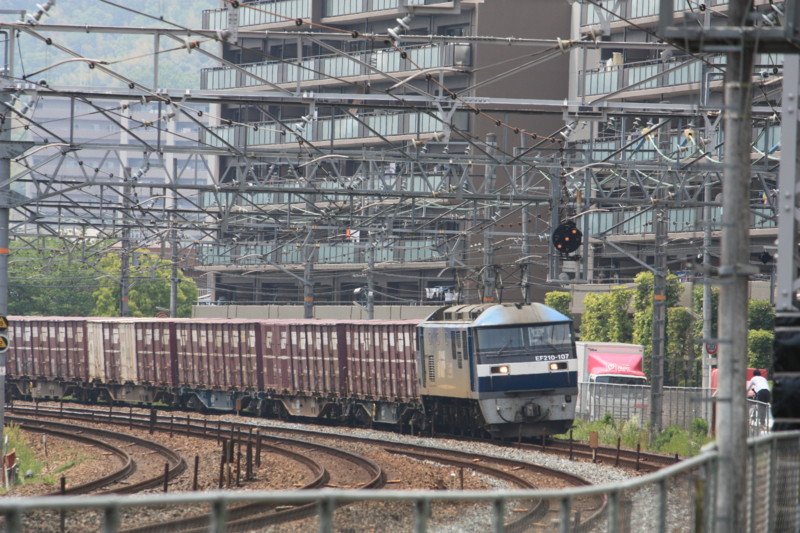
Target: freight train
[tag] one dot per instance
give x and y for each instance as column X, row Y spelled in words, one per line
column 508, row 370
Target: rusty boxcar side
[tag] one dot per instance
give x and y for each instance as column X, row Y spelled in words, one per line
column 48, row 355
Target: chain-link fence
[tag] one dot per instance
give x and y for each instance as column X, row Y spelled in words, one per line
column 680, row 406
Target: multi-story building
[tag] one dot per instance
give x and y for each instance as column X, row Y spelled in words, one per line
column 364, row 192
column 665, row 144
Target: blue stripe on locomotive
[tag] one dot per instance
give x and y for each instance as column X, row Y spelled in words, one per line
column 527, row 382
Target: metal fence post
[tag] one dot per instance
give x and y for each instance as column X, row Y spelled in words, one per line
column 325, row 510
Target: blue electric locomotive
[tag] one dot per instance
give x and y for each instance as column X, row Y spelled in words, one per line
column 509, row 369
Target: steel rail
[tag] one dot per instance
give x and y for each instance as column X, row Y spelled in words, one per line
column 245, row 516
column 128, row 466
column 177, row 464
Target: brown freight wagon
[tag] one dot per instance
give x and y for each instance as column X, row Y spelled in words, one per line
column 216, row 362
column 129, row 360
column 47, row 357
column 301, row 367
column 362, row 370
column 340, row 369
column 381, row 359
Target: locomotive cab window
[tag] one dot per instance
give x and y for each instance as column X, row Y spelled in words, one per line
column 550, row 342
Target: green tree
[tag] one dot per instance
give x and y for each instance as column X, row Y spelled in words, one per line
column 643, row 307
column 760, row 315
column 759, row 348
column 46, row 277
column 149, row 287
column 560, row 301
column 644, row 286
column 681, row 362
column 607, row 316
column 697, row 304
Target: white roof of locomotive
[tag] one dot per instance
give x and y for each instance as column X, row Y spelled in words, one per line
column 482, row 315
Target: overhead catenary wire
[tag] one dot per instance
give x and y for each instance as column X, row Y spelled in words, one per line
column 325, row 170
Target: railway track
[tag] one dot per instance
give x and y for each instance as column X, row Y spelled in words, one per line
column 326, row 465
column 103, row 439
column 638, row 460
column 253, row 516
column 526, row 516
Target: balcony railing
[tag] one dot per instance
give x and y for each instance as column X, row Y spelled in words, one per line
column 636, row 9
column 674, row 147
column 404, row 251
column 337, row 8
column 259, row 13
column 687, row 219
column 339, row 66
column 329, row 191
column 340, row 128
column 613, row 78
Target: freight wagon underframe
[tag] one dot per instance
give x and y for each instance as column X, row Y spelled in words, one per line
column 360, row 411
column 447, row 415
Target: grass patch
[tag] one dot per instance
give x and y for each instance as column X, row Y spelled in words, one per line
column 63, row 467
column 39, row 470
column 673, row 440
column 26, row 457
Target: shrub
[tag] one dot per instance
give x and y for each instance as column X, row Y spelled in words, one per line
column 759, row 348
column 699, row 427
column 560, row 301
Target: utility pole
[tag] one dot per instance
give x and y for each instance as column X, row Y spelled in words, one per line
column 173, row 209
column 708, row 306
column 660, row 221
column 525, row 245
column 526, row 261
column 734, row 273
column 371, row 280
column 8, row 150
column 174, row 278
column 489, row 278
column 308, row 280
column 786, row 382
column 124, row 266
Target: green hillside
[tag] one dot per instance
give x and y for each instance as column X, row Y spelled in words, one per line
column 129, row 55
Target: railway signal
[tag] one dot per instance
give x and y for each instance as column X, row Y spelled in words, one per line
column 4, row 342
column 567, row 238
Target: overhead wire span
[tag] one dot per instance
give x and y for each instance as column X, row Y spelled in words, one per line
column 561, row 48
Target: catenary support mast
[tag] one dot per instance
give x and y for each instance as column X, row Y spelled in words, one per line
column 734, row 272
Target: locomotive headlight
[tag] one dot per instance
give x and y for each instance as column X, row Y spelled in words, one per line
column 503, row 369
column 558, row 366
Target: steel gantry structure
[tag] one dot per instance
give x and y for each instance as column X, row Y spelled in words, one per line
column 318, row 147
column 307, row 192
column 291, row 193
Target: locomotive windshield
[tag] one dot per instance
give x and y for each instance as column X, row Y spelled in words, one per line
column 551, row 342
